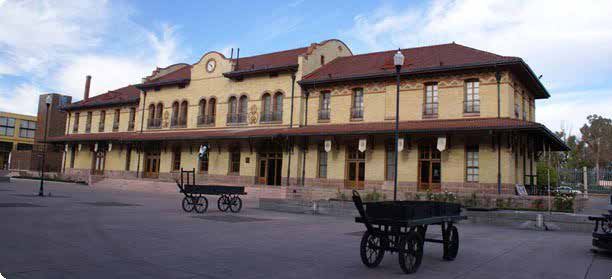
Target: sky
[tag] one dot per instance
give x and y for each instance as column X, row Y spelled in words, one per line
column 50, row 46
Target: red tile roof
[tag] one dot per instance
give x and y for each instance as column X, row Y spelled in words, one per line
column 125, row 95
column 270, row 60
column 178, row 74
column 412, row 127
column 418, row 58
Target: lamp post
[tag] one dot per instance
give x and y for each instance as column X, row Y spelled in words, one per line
column 48, row 101
column 398, row 61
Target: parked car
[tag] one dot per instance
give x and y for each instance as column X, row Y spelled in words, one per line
column 567, row 190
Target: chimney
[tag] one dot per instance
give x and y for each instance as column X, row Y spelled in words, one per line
column 87, row 83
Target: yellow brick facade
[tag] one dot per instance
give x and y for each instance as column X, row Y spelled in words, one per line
column 379, row 107
column 11, row 136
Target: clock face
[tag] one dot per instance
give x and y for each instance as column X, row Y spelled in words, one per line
column 210, row 65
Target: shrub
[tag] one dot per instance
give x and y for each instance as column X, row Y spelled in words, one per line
column 564, row 202
column 373, row 196
column 538, row 203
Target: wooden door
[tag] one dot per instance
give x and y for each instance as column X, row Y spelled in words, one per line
column 151, row 165
column 355, row 168
column 270, row 168
column 99, row 160
column 430, row 168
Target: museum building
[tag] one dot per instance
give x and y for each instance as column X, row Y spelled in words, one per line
column 320, row 116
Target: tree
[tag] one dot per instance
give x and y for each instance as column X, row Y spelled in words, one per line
column 597, row 135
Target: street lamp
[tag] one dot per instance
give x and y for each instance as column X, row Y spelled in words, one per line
column 398, row 61
column 48, row 101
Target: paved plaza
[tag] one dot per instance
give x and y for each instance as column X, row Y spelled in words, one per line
column 92, row 232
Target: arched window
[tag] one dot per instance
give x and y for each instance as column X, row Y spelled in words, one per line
column 151, row 115
column 183, row 116
column 266, row 110
column 202, row 112
column 175, row 114
column 232, row 116
column 158, row 115
column 278, row 107
column 212, row 110
column 243, row 109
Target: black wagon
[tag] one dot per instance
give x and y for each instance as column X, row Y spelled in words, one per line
column 401, row 227
column 195, row 195
column 602, row 233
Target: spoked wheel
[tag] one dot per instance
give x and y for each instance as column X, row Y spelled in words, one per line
column 410, row 252
column 235, row 204
column 187, row 204
column 201, row 204
column 371, row 249
column 606, row 226
column 451, row 245
column 223, row 203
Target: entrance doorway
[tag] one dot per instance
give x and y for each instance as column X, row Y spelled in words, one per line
column 430, row 168
column 270, row 166
column 151, row 164
column 355, row 168
column 99, row 160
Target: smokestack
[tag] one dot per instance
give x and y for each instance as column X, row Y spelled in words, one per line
column 87, row 83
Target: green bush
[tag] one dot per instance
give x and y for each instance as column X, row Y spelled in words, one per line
column 564, row 202
column 543, row 176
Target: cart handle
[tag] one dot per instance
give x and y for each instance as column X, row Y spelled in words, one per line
column 359, row 205
column 179, row 186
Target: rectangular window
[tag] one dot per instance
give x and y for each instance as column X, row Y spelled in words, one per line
column 322, row 169
column 390, row 162
column 357, row 106
column 128, row 157
column 517, row 105
column 234, row 161
column 176, row 159
column 203, row 165
column 472, row 98
column 88, row 123
column 324, row 105
column 75, row 126
column 525, row 108
column 116, row 119
column 72, row 156
column 132, row 121
column 471, row 166
column 27, row 129
column 431, row 99
column 102, row 121
column 7, row 126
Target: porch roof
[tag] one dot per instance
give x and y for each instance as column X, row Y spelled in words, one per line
column 440, row 126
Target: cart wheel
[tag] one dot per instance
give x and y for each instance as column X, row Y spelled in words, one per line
column 606, row 226
column 223, row 203
column 452, row 246
column 201, row 204
column 187, row 204
column 371, row 249
column 410, row 252
column 235, row 204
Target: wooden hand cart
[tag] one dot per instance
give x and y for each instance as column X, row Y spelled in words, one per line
column 195, row 199
column 602, row 233
column 401, row 226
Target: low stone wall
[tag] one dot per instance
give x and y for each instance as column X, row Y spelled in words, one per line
column 508, row 218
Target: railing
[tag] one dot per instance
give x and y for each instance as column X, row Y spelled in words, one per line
column 357, row 113
column 472, row 106
column 273, row 116
column 154, row 123
column 236, row 118
column 177, row 123
column 131, row 125
column 430, row 109
column 115, row 126
column 324, row 114
column 204, row 120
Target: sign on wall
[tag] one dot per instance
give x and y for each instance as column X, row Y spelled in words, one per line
column 400, row 145
column 328, row 145
column 441, row 143
column 362, row 145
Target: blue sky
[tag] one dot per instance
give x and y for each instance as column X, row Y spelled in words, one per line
column 49, row 46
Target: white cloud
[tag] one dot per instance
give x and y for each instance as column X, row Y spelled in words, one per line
column 23, row 99
column 55, row 45
column 566, row 41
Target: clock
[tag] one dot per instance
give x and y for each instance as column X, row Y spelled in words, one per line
column 210, row 65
